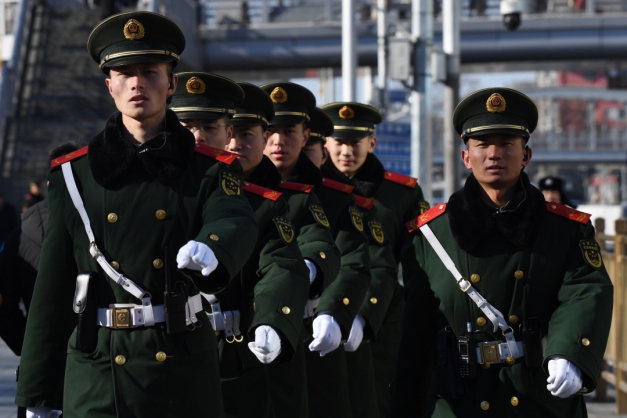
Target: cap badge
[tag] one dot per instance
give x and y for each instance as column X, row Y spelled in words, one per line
column 496, row 103
column 347, row 113
column 195, row 86
column 133, row 30
column 278, row 95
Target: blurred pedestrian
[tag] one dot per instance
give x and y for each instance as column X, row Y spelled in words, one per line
column 553, row 190
column 33, row 196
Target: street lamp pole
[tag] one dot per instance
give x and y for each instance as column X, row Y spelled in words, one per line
column 451, row 11
column 349, row 50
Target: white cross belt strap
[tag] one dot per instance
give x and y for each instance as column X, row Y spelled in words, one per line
column 493, row 314
column 227, row 321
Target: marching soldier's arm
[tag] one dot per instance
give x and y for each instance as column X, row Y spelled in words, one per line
column 579, row 327
column 229, row 226
column 51, row 319
column 281, row 294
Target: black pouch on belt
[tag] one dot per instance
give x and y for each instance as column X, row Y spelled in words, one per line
column 86, row 308
column 447, row 381
column 532, row 336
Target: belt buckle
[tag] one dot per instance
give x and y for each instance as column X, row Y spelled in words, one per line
column 490, row 354
column 121, row 318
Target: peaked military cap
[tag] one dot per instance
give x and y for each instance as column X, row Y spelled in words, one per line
column 551, row 183
column 495, row 110
column 321, row 126
column 256, row 109
column 292, row 102
column 351, row 120
column 205, row 96
column 134, row 38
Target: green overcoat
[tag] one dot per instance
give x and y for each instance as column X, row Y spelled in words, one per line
column 139, row 199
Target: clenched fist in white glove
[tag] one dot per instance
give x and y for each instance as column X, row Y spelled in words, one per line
column 564, row 378
column 267, row 344
column 313, row 271
column 42, row 412
column 197, row 256
column 356, row 334
column 326, row 334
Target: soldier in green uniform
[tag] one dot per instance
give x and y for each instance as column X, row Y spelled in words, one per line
column 120, row 210
column 397, row 198
column 205, row 104
column 339, row 299
column 510, row 302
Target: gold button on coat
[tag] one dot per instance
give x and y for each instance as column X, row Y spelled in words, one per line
column 345, row 301
column 286, row 310
column 112, row 217
column 514, row 401
column 322, row 255
column 519, row 274
column 513, row 319
column 120, row 360
column 373, row 301
column 475, row 278
column 160, row 214
column 115, row 265
column 158, row 263
column 510, row 360
column 161, row 356
column 485, row 405
column 585, row 342
column 481, row 321
column 214, row 237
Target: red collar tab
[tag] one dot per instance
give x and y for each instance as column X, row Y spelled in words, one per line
column 68, row 157
column 566, row 212
column 261, row 191
column 363, row 202
column 336, row 185
column 426, row 217
column 219, row 154
column 299, row 187
column 401, row 179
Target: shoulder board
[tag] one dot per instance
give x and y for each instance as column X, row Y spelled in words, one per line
column 299, row 187
column 363, row 202
column 401, row 179
column 68, row 157
column 566, row 212
column 216, row 153
column 336, row 185
column 426, row 217
column 261, row 191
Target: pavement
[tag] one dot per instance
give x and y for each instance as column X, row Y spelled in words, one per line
column 8, row 387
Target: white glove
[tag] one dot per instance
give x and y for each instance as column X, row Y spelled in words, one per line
column 197, row 256
column 41, row 412
column 267, row 344
column 356, row 334
column 326, row 334
column 313, row 271
column 564, row 378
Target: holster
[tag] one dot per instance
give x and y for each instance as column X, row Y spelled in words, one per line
column 447, row 381
column 86, row 308
column 532, row 342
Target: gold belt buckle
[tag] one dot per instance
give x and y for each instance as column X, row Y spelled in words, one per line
column 490, row 354
column 121, row 318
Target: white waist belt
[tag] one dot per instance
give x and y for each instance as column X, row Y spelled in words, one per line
column 227, row 321
column 125, row 315
column 310, row 307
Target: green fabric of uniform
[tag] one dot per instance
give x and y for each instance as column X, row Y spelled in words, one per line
column 252, row 382
column 362, row 388
column 572, row 299
column 195, row 207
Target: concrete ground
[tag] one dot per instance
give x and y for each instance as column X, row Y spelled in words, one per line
column 8, row 363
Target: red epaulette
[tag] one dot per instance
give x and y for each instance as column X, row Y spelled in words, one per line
column 566, row 212
column 219, row 154
column 401, row 179
column 261, row 191
column 68, row 157
column 336, row 185
column 363, row 202
column 426, row 217
column 299, row 187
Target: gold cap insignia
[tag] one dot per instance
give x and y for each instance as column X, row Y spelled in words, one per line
column 347, row 113
column 496, row 103
column 195, row 86
column 278, row 95
column 133, row 30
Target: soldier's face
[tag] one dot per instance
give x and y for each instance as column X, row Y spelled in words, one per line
column 349, row 156
column 316, row 153
column 552, row 196
column 215, row 133
column 140, row 90
column 248, row 143
column 285, row 143
column 496, row 160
